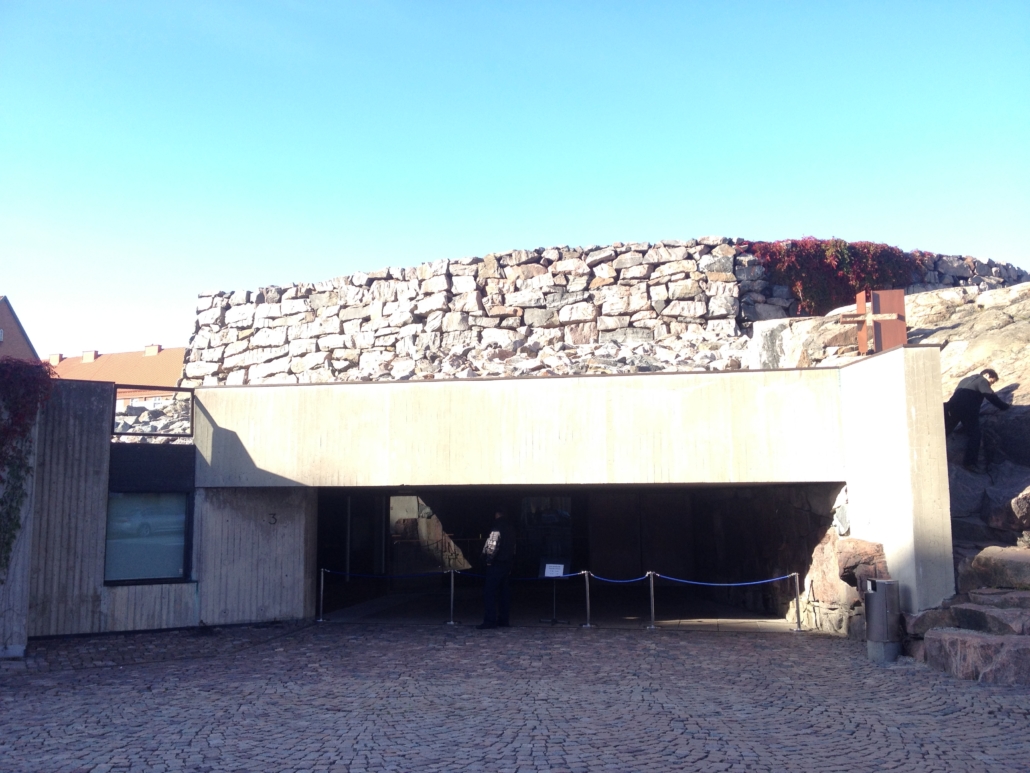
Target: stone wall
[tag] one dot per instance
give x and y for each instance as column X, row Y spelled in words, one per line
column 624, row 308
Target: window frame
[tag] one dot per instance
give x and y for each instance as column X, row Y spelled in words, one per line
column 187, row 547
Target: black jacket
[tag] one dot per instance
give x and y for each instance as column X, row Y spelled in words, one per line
column 970, row 394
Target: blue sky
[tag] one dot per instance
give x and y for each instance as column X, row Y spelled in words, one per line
column 149, row 151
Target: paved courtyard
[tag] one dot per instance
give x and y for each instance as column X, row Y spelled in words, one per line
column 389, row 697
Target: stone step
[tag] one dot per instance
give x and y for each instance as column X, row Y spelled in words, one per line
column 984, row 657
column 997, row 567
column 999, row 620
column 1000, row 597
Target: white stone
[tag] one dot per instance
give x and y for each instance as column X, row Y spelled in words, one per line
column 427, row 270
column 498, row 336
column 685, row 290
column 463, row 284
column 436, row 284
column 605, row 324
column 469, row 302
column 269, row 336
column 574, row 266
column 600, row 256
column 295, row 306
column 438, row 302
column 255, row 356
column 302, row 346
column 201, row 369
column 676, row 267
column 577, row 312
column 455, row 321
column 684, row 309
column 266, row 369
column 525, row 299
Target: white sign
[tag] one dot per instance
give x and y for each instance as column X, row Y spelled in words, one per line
column 554, row 570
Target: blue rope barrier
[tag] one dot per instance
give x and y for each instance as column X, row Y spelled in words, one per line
column 605, row 579
column 723, row 584
column 559, row 577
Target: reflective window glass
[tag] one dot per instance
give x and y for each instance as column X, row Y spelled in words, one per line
column 146, row 536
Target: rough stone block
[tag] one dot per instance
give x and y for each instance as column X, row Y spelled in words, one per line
column 455, row 321
column 437, row 302
column 712, row 263
column 240, row 316
column 574, row 266
column 693, row 309
column 605, row 324
column 982, row 657
column 463, row 284
column 720, row 306
column 666, row 270
column 525, row 299
column 688, row 289
column 201, row 369
column 1000, row 567
column 919, row 623
column 577, row 312
column 953, row 266
column 435, row 284
column 581, row 333
column 627, row 335
column 628, row 260
column 723, row 328
column 542, row 318
column 977, row 617
column 600, row 256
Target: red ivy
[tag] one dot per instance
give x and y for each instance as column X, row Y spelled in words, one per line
column 24, row 389
column 827, row 273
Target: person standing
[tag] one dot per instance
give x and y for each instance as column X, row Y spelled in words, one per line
column 964, row 408
column 498, row 554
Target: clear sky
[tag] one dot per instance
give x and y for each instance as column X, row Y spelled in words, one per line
column 149, row 151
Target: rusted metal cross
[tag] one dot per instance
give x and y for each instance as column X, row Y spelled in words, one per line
column 882, row 313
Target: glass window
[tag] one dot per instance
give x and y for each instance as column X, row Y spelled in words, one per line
column 146, row 537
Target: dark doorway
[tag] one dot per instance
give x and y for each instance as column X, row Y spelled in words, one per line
column 402, row 542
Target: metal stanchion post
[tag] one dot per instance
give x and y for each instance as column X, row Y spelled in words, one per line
column 650, row 577
column 586, row 577
column 797, row 603
column 321, row 594
column 451, row 621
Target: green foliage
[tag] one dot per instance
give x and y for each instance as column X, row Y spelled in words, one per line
column 24, row 388
column 827, row 273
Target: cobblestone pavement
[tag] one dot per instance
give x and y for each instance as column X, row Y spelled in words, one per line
column 360, row 697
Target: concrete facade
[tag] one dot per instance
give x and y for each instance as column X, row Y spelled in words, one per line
column 263, row 452
column 245, row 569
column 876, row 425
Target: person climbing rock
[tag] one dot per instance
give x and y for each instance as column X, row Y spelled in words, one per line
column 964, row 408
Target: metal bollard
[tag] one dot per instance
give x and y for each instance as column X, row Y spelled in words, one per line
column 451, row 621
column 321, row 594
column 586, row 577
column 797, row 603
column 650, row 577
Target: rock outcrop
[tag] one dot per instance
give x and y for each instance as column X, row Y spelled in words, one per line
column 984, row 631
column 622, row 308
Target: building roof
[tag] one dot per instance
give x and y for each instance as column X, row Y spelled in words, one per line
column 153, row 366
column 15, row 341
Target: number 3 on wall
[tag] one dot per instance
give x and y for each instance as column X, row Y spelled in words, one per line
column 272, row 519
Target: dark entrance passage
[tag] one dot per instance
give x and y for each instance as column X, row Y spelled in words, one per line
column 394, row 564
